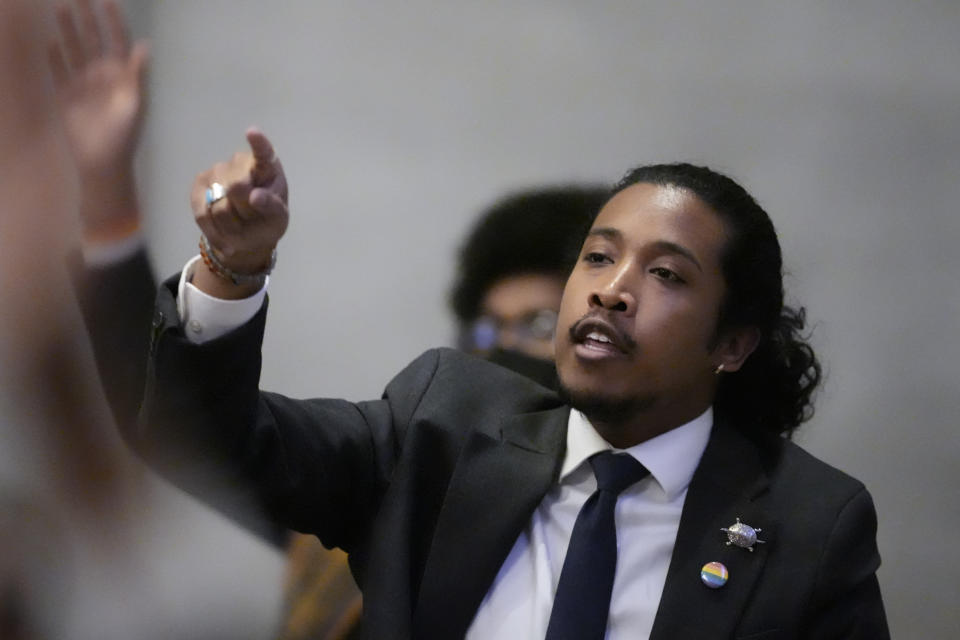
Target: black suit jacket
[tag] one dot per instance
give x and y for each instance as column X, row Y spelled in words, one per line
column 117, row 305
column 116, row 302
column 428, row 488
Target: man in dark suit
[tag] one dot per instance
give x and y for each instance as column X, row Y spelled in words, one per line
column 458, row 493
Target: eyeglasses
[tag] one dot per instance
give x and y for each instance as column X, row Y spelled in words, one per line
column 487, row 332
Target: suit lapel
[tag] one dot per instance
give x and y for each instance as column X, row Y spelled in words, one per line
column 495, row 487
column 727, row 480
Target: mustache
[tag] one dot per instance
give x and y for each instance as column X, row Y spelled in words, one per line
column 591, row 321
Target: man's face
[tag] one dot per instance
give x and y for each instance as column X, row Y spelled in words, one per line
column 638, row 317
column 519, row 313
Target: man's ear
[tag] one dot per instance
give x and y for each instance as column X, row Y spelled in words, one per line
column 735, row 346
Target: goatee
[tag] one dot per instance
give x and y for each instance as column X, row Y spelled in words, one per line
column 604, row 409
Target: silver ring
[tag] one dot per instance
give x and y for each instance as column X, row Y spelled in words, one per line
column 215, row 193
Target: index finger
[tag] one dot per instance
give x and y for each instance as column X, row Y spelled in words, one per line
column 92, row 37
column 263, row 153
column 118, row 28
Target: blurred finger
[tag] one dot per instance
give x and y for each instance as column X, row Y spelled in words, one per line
column 260, row 146
column 119, row 36
column 266, row 203
column 198, row 193
column 279, row 184
column 227, row 219
column 58, row 66
column 226, row 210
column 139, row 62
column 264, row 156
column 238, row 194
column 92, row 38
column 226, row 225
column 71, row 38
column 204, row 197
column 204, row 221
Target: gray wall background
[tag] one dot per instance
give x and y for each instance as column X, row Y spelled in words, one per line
column 398, row 122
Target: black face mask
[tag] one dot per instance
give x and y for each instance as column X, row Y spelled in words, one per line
column 537, row 369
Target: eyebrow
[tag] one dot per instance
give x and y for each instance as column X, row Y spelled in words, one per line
column 662, row 245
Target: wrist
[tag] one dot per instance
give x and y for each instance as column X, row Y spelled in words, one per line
column 112, row 231
column 109, row 203
column 243, row 262
column 217, row 286
column 242, row 268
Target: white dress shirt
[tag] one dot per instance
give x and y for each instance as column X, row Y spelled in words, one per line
column 207, row 318
column 647, row 517
column 518, row 603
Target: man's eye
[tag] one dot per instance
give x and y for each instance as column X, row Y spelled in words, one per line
column 666, row 274
column 596, row 257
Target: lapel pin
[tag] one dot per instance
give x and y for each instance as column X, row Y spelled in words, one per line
column 742, row 535
column 714, row 575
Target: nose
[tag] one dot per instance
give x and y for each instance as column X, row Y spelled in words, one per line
column 612, row 294
column 507, row 339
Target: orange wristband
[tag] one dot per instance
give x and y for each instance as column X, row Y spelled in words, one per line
column 112, row 233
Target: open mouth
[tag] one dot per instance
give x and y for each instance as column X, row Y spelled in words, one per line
column 595, row 337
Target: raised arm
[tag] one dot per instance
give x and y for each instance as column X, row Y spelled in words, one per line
column 100, row 82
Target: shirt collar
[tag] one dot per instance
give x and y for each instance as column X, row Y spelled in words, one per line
column 671, row 457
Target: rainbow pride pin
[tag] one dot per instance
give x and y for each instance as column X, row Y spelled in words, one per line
column 714, row 575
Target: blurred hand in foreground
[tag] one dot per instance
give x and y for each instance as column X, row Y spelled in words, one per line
column 102, row 94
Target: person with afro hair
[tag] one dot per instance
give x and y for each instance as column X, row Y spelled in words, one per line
column 511, row 270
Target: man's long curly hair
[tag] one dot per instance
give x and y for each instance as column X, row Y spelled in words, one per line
column 772, row 392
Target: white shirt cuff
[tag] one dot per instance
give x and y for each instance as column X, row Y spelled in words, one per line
column 206, row 318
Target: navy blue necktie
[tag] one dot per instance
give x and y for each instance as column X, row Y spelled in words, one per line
column 582, row 602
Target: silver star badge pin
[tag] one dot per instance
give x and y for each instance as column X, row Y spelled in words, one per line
column 742, row 535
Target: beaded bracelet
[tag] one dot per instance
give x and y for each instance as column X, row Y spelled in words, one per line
column 210, row 259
